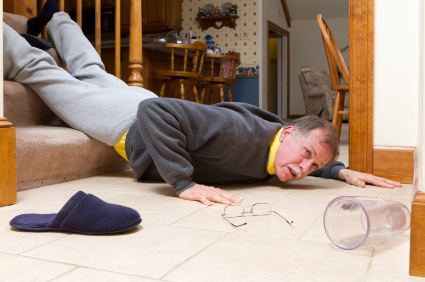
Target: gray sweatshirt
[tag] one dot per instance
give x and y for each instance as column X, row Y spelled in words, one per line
column 185, row 143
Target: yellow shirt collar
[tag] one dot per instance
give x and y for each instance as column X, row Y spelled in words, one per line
column 272, row 153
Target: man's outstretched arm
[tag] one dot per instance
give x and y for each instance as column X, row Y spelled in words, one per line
column 337, row 170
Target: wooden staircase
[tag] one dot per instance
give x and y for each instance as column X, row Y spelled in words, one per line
column 28, row 8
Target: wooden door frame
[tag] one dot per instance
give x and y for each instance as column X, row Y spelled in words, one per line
column 275, row 28
column 361, row 41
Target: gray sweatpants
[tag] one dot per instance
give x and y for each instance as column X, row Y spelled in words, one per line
column 86, row 97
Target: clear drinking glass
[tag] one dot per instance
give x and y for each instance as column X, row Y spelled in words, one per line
column 354, row 222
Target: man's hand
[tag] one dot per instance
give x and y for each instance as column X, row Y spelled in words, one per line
column 208, row 194
column 360, row 179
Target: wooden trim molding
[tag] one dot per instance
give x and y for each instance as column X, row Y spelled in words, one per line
column 275, row 28
column 8, row 190
column 395, row 163
column 361, row 41
column 417, row 237
column 286, row 11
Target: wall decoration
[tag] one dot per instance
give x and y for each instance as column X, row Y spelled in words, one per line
column 228, row 38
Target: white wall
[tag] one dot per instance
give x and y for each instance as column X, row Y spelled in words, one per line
column 419, row 157
column 396, row 84
column 307, row 49
column 269, row 11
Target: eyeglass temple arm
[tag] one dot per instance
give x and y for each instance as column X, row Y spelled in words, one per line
column 232, row 223
column 290, row 223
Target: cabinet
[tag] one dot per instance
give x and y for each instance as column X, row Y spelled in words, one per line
column 89, row 4
column 161, row 15
column 157, row 15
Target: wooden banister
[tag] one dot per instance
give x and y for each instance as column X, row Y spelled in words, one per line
column 118, row 38
column 97, row 35
column 44, row 31
column 80, row 13
column 135, row 60
column 62, row 5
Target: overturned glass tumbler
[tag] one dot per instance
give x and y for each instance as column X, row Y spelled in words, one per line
column 354, row 222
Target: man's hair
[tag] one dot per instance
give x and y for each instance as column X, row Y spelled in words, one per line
column 304, row 125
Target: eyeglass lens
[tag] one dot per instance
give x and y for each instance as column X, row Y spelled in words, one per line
column 234, row 211
column 261, row 209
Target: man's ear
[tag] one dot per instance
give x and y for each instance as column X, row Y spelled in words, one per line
column 289, row 130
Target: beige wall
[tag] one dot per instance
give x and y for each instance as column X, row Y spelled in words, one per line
column 396, row 83
column 270, row 10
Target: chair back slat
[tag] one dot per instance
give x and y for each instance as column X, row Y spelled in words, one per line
column 185, row 60
column 172, row 59
column 118, row 38
column 195, row 61
column 222, row 67
column 201, row 63
column 333, row 54
column 212, row 67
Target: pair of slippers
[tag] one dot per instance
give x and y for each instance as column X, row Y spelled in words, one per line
column 83, row 213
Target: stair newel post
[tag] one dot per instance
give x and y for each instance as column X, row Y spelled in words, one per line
column 135, row 66
column 8, row 188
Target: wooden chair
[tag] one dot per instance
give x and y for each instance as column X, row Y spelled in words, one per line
column 220, row 81
column 184, row 77
column 335, row 59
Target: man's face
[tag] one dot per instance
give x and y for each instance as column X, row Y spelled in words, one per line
column 297, row 158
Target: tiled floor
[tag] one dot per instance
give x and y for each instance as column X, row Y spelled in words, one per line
column 180, row 240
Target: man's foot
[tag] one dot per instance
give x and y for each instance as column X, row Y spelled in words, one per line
column 35, row 25
column 37, row 42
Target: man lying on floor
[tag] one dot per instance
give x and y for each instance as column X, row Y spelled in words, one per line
column 183, row 143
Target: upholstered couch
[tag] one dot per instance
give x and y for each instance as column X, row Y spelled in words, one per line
column 319, row 100
column 47, row 150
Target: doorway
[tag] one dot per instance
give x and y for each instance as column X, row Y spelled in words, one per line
column 277, row 70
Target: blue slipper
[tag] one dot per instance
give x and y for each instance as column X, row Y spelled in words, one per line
column 83, row 213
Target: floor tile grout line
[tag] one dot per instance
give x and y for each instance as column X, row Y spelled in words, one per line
column 78, row 265
column 62, row 274
column 187, row 216
column 369, row 265
column 101, row 269
column 39, row 258
column 192, row 256
column 284, row 196
column 232, row 232
column 21, row 253
column 76, row 185
column 308, row 228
